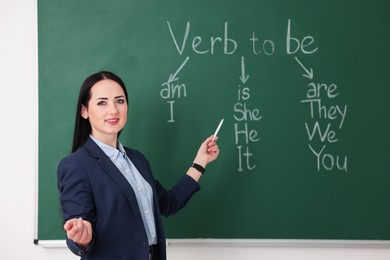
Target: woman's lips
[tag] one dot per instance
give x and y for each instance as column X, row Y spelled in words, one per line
column 112, row 121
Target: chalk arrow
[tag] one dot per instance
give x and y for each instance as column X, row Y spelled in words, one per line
column 243, row 77
column 172, row 77
column 309, row 73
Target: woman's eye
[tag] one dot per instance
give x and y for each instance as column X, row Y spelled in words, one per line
column 101, row 103
column 121, row 101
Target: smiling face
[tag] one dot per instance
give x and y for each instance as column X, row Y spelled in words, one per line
column 106, row 111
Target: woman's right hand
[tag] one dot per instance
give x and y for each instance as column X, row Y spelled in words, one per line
column 79, row 230
column 208, row 152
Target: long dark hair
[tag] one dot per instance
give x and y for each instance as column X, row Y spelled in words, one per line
column 82, row 127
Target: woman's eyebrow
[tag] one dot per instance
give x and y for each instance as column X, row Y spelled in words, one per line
column 104, row 98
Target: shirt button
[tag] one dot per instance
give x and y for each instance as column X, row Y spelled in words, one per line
column 127, row 170
column 146, row 211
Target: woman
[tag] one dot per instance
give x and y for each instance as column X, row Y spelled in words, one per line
column 111, row 203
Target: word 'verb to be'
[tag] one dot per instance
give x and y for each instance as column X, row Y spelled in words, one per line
column 225, row 43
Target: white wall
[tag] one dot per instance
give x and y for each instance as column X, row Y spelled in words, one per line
column 18, row 129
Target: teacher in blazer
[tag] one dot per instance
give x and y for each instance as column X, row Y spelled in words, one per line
column 111, row 203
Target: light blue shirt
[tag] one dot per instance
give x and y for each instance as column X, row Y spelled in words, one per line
column 143, row 191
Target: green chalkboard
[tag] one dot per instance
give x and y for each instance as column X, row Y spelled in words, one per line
column 303, row 87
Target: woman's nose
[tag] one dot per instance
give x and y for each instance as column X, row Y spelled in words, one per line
column 113, row 109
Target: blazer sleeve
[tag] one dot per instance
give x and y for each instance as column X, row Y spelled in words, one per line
column 76, row 196
column 172, row 201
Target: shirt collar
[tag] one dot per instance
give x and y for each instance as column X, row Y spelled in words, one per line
column 110, row 151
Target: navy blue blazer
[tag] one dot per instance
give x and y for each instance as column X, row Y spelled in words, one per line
column 93, row 188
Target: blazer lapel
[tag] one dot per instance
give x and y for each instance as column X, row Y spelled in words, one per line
column 111, row 170
column 142, row 169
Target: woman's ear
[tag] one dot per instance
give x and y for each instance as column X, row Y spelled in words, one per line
column 84, row 112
